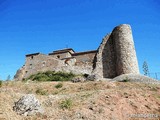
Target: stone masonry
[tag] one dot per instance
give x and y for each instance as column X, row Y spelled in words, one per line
column 126, row 59
column 116, row 55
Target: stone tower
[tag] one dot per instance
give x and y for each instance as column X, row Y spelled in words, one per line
column 116, row 54
column 126, row 59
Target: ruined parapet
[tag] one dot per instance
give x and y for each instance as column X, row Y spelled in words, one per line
column 126, row 59
column 116, row 54
column 105, row 59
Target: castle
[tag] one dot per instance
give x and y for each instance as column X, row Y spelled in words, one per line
column 115, row 56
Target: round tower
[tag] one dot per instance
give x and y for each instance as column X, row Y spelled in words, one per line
column 125, row 54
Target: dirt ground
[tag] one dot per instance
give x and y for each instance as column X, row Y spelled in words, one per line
column 101, row 100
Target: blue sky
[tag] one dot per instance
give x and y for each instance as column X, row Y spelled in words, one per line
column 29, row 26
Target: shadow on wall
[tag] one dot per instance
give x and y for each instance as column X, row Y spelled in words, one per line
column 109, row 59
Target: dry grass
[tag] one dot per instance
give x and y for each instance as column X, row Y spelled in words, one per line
column 89, row 101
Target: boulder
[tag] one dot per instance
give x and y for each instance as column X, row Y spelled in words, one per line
column 92, row 78
column 78, row 79
column 27, row 105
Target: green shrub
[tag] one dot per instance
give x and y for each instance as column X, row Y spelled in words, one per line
column 39, row 91
column 59, row 85
column 55, row 92
column 66, row 104
column 62, row 76
column 51, row 76
column 41, row 77
column 49, row 73
column 0, row 83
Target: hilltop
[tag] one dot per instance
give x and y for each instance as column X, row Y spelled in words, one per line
column 98, row 100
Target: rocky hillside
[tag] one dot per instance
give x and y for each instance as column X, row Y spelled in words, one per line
column 101, row 100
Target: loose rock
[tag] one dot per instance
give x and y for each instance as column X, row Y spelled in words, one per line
column 78, row 79
column 27, row 105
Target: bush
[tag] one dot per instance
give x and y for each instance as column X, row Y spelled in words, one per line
column 52, row 76
column 0, row 83
column 49, row 73
column 59, row 85
column 62, row 76
column 41, row 77
column 66, row 104
column 39, row 91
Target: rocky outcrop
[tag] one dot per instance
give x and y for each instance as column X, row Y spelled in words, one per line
column 27, row 105
column 135, row 78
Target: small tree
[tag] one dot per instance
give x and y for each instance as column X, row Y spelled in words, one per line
column 0, row 83
column 145, row 68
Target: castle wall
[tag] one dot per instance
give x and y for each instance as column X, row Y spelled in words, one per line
column 80, row 63
column 116, row 54
column 84, row 59
column 20, row 73
column 109, row 59
column 40, row 63
column 61, row 55
column 105, row 59
column 126, row 59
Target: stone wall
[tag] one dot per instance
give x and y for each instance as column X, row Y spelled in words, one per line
column 126, row 59
column 79, row 63
column 61, row 55
column 116, row 54
column 105, row 59
column 20, row 73
column 39, row 63
column 85, row 58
